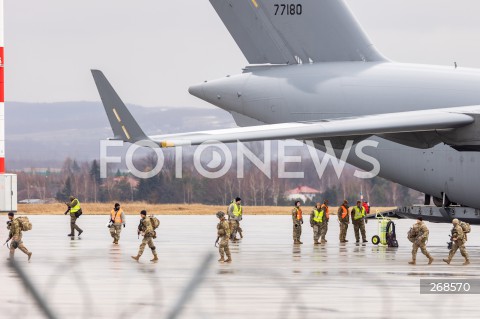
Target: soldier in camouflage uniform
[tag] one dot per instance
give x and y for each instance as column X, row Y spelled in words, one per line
column 234, row 217
column 420, row 241
column 317, row 219
column 458, row 241
column 146, row 229
column 343, row 221
column 117, row 219
column 358, row 221
column 223, row 233
column 73, row 207
column 326, row 218
column 16, row 236
column 297, row 219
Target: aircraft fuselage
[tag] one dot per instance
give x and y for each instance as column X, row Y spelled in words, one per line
column 319, row 91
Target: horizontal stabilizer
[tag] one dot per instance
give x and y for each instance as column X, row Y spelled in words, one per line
column 123, row 124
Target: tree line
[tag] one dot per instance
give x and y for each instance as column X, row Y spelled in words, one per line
column 82, row 179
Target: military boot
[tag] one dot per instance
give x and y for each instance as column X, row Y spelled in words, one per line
column 467, row 262
column 316, row 242
column 29, row 256
column 413, row 262
column 296, row 242
column 447, row 261
column 221, row 260
column 155, row 258
column 137, row 257
column 229, row 259
column 430, row 260
column 71, row 235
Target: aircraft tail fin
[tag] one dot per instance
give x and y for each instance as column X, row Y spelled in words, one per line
column 304, row 31
column 121, row 120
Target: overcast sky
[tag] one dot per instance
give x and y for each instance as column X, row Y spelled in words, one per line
column 153, row 50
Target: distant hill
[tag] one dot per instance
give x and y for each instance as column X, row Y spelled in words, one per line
column 44, row 134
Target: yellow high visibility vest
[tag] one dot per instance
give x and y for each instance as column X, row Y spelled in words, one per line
column 237, row 210
column 75, row 208
column 318, row 216
column 359, row 213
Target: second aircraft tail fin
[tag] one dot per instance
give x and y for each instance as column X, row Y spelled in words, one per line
column 123, row 124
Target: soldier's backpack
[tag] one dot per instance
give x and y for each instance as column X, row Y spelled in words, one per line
column 25, row 224
column 412, row 234
column 465, row 227
column 155, row 222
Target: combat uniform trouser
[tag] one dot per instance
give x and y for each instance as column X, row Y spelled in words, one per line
column 359, row 226
column 223, row 248
column 323, row 231
column 115, row 231
column 147, row 239
column 423, row 247
column 316, row 232
column 233, row 228
column 297, row 231
column 239, row 229
column 343, row 231
column 17, row 243
column 73, row 225
column 456, row 245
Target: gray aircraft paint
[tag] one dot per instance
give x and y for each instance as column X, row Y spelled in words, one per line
column 345, row 80
column 331, row 90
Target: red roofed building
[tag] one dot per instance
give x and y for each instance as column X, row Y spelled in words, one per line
column 303, row 193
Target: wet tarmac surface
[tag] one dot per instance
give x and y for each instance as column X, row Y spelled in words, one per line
column 269, row 277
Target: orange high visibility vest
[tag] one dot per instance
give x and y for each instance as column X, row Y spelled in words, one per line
column 345, row 211
column 299, row 213
column 327, row 213
column 117, row 216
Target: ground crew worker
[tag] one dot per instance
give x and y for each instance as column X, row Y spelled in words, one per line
column 343, row 220
column 146, row 229
column 324, row 225
column 234, row 218
column 223, row 233
column 15, row 236
column 297, row 219
column 117, row 219
column 317, row 219
column 420, row 241
column 358, row 221
column 458, row 241
column 73, row 208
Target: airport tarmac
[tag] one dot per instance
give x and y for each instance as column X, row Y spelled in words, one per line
column 269, row 277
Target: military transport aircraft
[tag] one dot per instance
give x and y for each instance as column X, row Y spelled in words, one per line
column 315, row 75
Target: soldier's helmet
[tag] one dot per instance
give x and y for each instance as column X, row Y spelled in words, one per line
column 72, row 197
column 455, row 221
column 220, row 215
